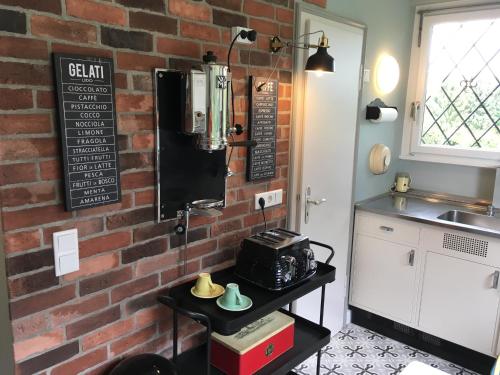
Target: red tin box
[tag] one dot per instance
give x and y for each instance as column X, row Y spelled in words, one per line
column 256, row 345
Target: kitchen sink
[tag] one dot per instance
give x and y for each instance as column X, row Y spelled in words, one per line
column 468, row 218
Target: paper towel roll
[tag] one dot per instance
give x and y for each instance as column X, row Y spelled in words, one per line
column 387, row 115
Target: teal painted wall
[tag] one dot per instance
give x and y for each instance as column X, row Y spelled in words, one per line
column 390, row 25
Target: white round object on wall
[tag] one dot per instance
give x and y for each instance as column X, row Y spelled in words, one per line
column 380, row 158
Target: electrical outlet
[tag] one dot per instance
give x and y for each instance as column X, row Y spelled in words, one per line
column 235, row 30
column 272, row 198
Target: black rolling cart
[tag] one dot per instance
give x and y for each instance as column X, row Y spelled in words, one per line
column 309, row 336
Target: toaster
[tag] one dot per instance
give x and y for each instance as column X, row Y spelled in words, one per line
column 275, row 259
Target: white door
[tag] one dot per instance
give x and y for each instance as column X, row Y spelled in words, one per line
column 460, row 301
column 384, row 278
column 323, row 163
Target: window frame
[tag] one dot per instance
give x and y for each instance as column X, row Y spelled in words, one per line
column 411, row 148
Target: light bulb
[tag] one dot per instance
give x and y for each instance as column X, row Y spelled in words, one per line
column 386, row 74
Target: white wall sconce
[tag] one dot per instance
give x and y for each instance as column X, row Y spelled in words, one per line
column 386, row 74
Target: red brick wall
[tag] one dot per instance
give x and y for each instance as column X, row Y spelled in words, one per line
column 86, row 321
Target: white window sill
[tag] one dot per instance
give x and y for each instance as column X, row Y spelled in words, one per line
column 454, row 160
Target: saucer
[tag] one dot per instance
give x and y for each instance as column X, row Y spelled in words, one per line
column 246, row 304
column 219, row 291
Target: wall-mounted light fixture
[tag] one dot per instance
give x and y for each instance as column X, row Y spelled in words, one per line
column 386, row 74
column 321, row 61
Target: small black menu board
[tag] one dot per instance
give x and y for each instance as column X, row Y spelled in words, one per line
column 263, row 115
column 87, row 119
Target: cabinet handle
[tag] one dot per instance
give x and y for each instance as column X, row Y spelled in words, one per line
column 411, row 258
column 386, row 229
column 496, row 276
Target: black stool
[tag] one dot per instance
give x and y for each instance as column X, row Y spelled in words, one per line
column 145, row 364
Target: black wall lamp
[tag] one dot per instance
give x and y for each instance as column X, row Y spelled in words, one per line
column 321, row 61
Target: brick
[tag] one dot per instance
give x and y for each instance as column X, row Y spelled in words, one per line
column 104, row 281
column 41, row 301
column 182, row 64
column 47, row 359
column 133, row 123
column 193, row 235
column 125, row 203
column 144, row 250
column 178, row 47
column 285, row 76
column 20, row 241
column 29, row 262
column 204, row 248
column 280, row 2
column 142, row 302
column 153, row 22
column 84, row 227
column 59, row 29
column 129, row 218
column 264, row 27
column 15, row 99
column 23, row 48
column 104, row 243
column 154, row 5
column 81, row 50
column 50, row 6
column 45, row 99
column 136, row 40
column 24, row 124
column 12, row 21
column 200, row 32
column 143, row 141
column 29, row 327
column 154, row 230
column 34, row 216
column 142, row 82
column 235, row 210
column 41, row 343
column 134, row 103
column 258, row 9
column 224, row 227
column 16, row 149
column 91, row 266
column 145, row 197
column 137, row 180
column 141, row 62
column 228, row 4
column 93, row 322
column 30, row 194
column 223, row 18
column 134, row 288
column 79, row 308
column 174, row 273
column 286, row 32
column 217, row 258
column 189, row 9
column 151, row 315
column 132, row 340
column 284, row 15
column 147, row 266
column 135, row 160
column 32, row 283
column 102, row 13
column 17, row 173
column 320, row 3
column 80, row 364
column 107, row 334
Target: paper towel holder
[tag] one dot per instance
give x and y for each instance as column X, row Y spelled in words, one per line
column 373, row 111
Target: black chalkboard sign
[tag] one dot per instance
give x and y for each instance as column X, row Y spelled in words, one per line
column 263, row 114
column 87, row 119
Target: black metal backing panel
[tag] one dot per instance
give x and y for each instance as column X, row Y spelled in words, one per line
column 184, row 173
column 88, row 135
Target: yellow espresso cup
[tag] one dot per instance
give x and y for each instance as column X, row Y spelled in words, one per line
column 204, row 286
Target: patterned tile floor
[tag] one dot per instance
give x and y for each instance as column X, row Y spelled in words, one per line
column 358, row 351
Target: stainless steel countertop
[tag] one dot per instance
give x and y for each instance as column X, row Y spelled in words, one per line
column 424, row 207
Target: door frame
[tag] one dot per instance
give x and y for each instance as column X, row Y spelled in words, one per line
column 294, row 201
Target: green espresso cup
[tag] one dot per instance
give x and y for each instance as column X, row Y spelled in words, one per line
column 231, row 299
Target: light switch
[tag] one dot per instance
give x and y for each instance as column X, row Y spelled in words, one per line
column 66, row 257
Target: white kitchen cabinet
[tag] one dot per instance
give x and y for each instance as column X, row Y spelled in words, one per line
column 384, row 278
column 460, row 301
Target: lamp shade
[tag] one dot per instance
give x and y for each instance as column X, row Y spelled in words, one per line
column 321, row 61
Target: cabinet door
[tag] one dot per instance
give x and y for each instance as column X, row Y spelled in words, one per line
column 460, row 302
column 383, row 278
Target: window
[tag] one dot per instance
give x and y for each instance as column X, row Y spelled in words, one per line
column 453, row 111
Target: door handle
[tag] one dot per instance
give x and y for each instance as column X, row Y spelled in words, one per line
column 411, row 258
column 386, row 229
column 316, row 202
column 496, row 277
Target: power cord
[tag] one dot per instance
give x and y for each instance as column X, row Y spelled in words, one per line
column 262, row 204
